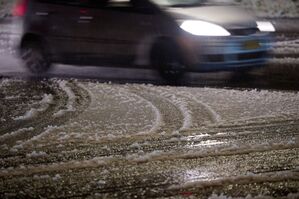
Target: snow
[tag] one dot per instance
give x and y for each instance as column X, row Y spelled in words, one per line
column 15, row 133
column 242, row 179
column 91, row 95
column 6, row 81
column 249, row 196
column 158, row 118
column 177, row 102
column 59, row 166
column 135, row 145
column 287, row 51
column 223, row 196
column 35, row 154
column 157, row 115
column 49, row 129
column 285, row 61
column 71, row 99
column 56, row 177
column 286, row 48
column 270, row 8
column 41, row 177
column 209, row 148
column 135, row 114
column 101, row 182
column 33, row 112
column 144, row 157
column 28, row 115
column 235, row 105
column 214, row 115
column 104, row 139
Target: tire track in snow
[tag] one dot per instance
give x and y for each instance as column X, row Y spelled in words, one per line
column 124, row 95
column 45, row 118
column 214, row 116
column 179, row 103
column 195, row 146
column 174, row 143
column 13, row 129
column 71, row 97
column 197, row 113
column 139, row 186
column 162, row 113
column 153, row 162
column 151, row 157
column 158, row 119
column 140, row 116
column 168, row 112
column 44, row 104
column 202, row 170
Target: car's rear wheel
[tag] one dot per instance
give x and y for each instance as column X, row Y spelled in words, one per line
column 168, row 61
column 34, row 57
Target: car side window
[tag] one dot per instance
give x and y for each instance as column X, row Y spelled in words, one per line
column 119, row 4
column 122, row 5
column 98, row 3
column 67, row 2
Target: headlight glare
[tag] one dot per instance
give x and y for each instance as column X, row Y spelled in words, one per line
column 203, row 28
column 265, row 26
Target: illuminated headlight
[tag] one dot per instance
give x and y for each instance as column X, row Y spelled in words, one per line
column 203, row 28
column 265, row 26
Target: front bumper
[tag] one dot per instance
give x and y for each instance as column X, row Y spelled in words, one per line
column 230, row 53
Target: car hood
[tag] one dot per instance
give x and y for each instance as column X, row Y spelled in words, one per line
column 230, row 17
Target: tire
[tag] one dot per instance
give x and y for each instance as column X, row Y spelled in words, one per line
column 168, row 61
column 34, row 57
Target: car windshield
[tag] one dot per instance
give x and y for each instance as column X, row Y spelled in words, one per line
column 178, row 3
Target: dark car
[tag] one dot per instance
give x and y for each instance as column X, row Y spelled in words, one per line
column 172, row 36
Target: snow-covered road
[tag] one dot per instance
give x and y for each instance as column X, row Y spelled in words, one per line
column 78, row 138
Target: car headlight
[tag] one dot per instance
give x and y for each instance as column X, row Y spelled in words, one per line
column 265, row 26
column 203, row 28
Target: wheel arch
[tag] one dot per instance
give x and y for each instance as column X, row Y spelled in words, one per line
column 158, row 42
column 147, row 46
column 37, row 38
column 31, row 37
column 168, row 43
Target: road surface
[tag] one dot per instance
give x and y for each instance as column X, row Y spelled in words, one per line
column 76, row 138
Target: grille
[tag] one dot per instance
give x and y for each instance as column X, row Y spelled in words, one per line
column 243, row 31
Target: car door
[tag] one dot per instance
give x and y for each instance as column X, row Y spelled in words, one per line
column 61, row 27
column 118, row 29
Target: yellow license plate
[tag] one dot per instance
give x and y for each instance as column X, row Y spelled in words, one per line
column 250, row 45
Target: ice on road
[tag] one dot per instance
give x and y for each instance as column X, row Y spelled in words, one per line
column 74, row 138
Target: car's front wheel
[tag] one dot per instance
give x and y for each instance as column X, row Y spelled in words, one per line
column 168, row 61
column 34, row 57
